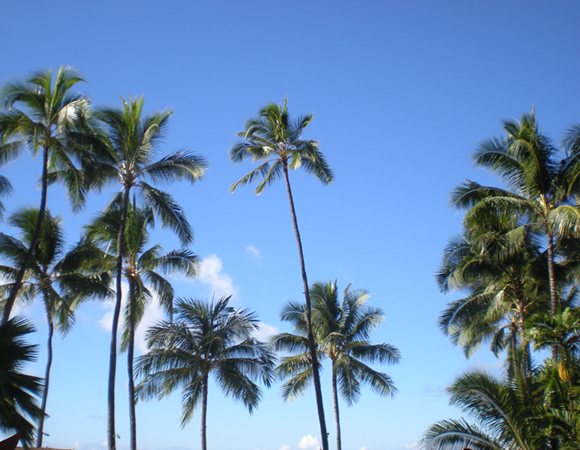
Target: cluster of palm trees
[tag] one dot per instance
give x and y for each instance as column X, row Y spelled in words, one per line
column 88, row 148
column 517, row 261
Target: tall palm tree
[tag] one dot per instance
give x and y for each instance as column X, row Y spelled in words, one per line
column 143, row 269
column 39, row 116
column 132, row 142
column 275, row 138
column 526, row 161
column 18, row 391
column 341, row 331
column 205, row 339
column 61, row 281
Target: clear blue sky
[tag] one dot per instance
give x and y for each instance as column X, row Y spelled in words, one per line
column 401, row 91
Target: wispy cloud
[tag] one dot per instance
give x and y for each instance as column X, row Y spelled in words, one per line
column 254, row 253
column 211, row 274
column 413, row 445
column 285, row 447
column 265, row 332
column 309, row 442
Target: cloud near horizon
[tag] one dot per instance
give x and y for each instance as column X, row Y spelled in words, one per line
column 309, row 442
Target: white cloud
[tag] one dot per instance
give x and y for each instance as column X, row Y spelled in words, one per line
column 254, row 253
column 211, row 273
column 413, row 445
column 265, row 332
column 363, row 448
column 153, row 314
column 285, row 447
column 309, row 442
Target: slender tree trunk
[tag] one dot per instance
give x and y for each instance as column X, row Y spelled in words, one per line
column 336, row 413
column 41, row 210
column 523, row 315
column 111, row 434
column 40, row 430
column 130, row 354
column 311, row 344
column 204, row 412
column 552, row 278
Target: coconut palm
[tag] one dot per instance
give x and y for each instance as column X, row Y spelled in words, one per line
column 274, row 138
column 504, row 275
column 341, row 331
column 39, row 116
column 205, row 339
column 18, row 391
column 562, row 331
column 132, row 141
column 508, row 414
column 143, row 269
column 60, row 280
column 526, row 161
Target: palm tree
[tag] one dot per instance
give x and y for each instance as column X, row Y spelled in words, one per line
column 132, row 143
column 276, row 139
column 18, row 392
column 141, row 267
column 341, row 331
column 39, row 116
column 504, row 275
column 508, row 415
column 205, row 339
column 61, row 281
column 562, row 331
column 525, row 160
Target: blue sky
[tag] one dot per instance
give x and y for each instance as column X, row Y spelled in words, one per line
column 402, row 92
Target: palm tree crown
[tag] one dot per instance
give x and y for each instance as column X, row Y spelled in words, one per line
column 275, row 138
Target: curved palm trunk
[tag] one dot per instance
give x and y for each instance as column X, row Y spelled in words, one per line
column 130, row 354
column 204, row 413
column 111, row 435
column 336, row 413
column 40, row 430
column 311, row 344
column 20, row 277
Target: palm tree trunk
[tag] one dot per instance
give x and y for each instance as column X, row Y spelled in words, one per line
column 311, row 344
column 552, row 279
column 40, row 430
column 20, row 277
column 204, row 412
column 336, row 414
column 111, row 435
column 130, row 353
